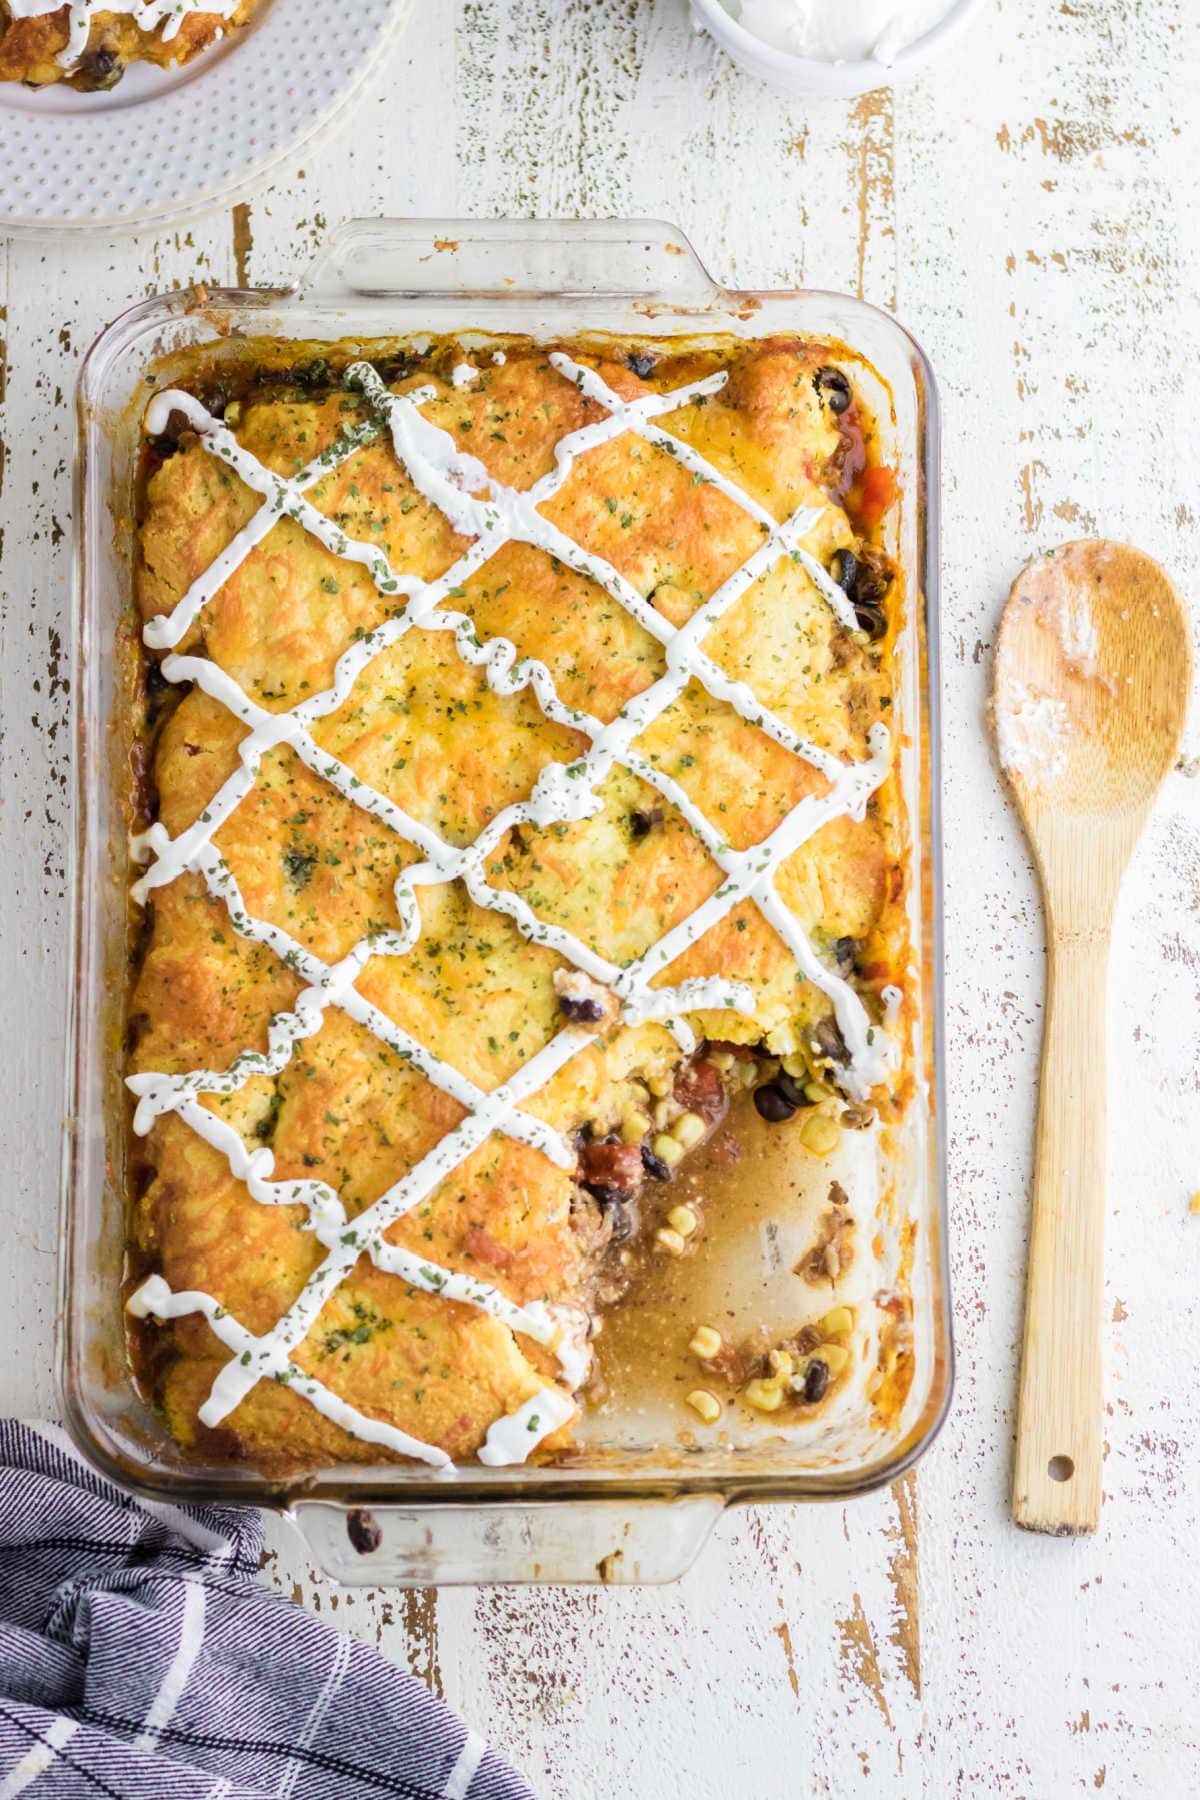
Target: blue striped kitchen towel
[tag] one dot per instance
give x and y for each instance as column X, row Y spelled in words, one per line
column 141, row 1657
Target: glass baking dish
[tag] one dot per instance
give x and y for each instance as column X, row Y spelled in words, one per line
column 634, row 1510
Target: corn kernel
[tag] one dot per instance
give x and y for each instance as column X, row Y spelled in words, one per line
column 660, row 1085
column 781, row 1364
column 747, row 1072
column 662, row 1114
column 688, row 1129
column 815, row 1092
column 795, row 1066
column 820, row 1134
column 683, row 1220
column 706, row 1342
column 706, row 1404
column 835, row 1357
column 764, row 1396
column 634, row 1126
column 837, row 1323
column 670, row 1241
column 668, row 1150
column 722, row 1059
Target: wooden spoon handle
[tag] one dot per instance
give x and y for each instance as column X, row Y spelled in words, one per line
column 1056, row 1485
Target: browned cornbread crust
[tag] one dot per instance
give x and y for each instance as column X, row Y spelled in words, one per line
column 31, row 48
column 423, row 727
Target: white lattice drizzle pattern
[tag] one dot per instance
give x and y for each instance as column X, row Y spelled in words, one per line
column 490, row 514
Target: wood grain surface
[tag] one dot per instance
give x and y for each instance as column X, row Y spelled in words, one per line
column 1031, row 209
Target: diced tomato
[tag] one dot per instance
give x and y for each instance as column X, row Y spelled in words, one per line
column 871, row 496
column 481, row 1245
column 616, row 1166
column 699, row 1087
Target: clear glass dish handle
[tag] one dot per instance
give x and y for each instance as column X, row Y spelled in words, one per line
column 615, row 1542
column 510, row 258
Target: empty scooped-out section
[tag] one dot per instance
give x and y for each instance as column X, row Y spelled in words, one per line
column 755, row 1271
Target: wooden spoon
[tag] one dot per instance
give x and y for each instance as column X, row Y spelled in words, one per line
column 1093, row 668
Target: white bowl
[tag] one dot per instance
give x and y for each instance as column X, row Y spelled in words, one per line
column 789, row 74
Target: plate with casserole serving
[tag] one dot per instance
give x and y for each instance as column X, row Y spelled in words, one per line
column 524, row 964
column 120, row 117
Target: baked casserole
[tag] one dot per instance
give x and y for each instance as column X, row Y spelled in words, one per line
column 519, row 810
column 89, row 44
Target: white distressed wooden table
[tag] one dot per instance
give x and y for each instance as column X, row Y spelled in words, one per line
column 1031, row 209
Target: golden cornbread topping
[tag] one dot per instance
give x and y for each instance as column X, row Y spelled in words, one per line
column 522, row 787
column 89, row 43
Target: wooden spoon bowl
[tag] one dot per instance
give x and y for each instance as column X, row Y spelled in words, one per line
column 1093, row 670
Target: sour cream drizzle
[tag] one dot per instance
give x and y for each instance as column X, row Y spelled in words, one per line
column 491, row 514
column 329, row 985
column 155, row 1299
column 148, row 15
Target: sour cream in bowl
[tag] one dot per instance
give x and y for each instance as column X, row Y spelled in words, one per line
column 833, row 47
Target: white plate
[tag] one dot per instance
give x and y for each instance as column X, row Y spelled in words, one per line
column 166, row 143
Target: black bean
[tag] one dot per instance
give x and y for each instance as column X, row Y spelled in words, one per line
column 827, row 1036
column 816, row 1380
column 772, row 1103
column 833, row 388
column 606, row 1196
column 395, row 368
column 166, row 443
column 870, row 619
column 873, row 578
column 214, row 399
column 364, row 1530
column 642, row 363
column 99, row 70
column 791, row 1089
column 654, row 1165
column 583, row 1009
column 642, row 823
column 843, row 566
column 845, row 951
column 625, row 1224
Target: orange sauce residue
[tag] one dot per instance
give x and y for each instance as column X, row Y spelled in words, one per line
column 870, row 496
